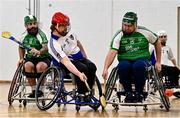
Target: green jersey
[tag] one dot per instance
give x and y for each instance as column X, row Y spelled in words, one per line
column 133, row 46
column 35, row 42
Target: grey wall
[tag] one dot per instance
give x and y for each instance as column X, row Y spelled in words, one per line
column 11, row 19
column 94, row 21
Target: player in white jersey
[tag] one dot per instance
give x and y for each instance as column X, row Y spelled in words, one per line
column 68, row 52
column 171, row 71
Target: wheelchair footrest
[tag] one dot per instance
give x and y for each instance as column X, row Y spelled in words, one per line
column 119, row 93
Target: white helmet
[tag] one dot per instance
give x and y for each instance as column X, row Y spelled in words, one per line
column 161, row 33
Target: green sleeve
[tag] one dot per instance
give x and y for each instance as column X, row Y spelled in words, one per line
column 43, row 36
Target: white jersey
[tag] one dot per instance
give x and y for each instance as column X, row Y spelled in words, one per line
column 59, row 47
column 166, row 55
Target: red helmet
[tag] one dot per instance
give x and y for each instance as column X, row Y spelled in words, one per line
column 60, row 18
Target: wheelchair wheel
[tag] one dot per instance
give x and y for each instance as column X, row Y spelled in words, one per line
column 161, row 89
column 51, row 84
column 110, row 83
column 96, row 95
column 15, row 84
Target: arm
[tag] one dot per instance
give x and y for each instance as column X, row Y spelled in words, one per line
column 171, row 57
column 81, row 48
column 108, row 61
column 158, row 55
column 67, row 63
column 43, row 49
column 21, row 55
column 174, row 63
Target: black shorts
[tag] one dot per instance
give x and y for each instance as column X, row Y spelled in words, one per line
column 35, row 61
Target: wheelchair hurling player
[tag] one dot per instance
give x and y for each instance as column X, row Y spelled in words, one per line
column 153, row 93
column 69, row 57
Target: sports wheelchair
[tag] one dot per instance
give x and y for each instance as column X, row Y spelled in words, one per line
column 154, row 91
column 56, row 90
column 19, row 88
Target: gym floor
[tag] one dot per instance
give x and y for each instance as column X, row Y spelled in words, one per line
column 31, row 110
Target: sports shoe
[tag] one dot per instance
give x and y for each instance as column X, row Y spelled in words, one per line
column 40, row 93
column 32, row 95
column 177, row 94
column 128, row 98
column 80, row 98
column 138, row 97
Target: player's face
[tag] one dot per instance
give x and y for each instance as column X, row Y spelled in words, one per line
column 163, row 39
column 63, row 29
column 31, row 25
column 128, row 28
column 32, row 28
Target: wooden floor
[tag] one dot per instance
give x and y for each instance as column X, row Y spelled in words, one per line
column 31, row 110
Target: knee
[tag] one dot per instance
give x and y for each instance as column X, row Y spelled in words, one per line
column 139, row 65
column 29, row 67
column 124, row 66
column 93, row 67
column 83, row 69
column 40, row 67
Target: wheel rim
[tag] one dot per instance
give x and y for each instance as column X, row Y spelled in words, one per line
column 52, row 85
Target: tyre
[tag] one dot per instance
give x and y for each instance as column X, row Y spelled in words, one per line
column 15, row 84
column 96, row 95
column 51, row 84
column 111, row 83
column 161, row 89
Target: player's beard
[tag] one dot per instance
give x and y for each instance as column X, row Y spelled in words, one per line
column 64, row 33
column 163, row 43
column 33, row 31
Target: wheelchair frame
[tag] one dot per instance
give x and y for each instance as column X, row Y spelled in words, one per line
column 154, row 90
column 55, row 92
column 18, row 88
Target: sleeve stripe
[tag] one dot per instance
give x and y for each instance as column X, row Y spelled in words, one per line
column 54, row 50
column 155, row 41
column 114, row 49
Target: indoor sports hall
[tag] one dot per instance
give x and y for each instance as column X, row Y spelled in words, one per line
column 89, row 58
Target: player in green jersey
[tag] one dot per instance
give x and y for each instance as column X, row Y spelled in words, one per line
column 37, row 59
column 131, row 45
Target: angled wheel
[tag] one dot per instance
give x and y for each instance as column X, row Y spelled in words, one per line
column 15, row 84
column 51, row 84
column 96, row 95
column 161, row 89
column 111, row 83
